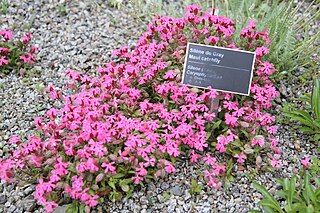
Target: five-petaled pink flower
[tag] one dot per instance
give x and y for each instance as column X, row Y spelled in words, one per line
column 3, row 61
column 241, row 158
column 306, row 162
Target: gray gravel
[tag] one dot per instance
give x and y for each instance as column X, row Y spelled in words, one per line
column 83, row 39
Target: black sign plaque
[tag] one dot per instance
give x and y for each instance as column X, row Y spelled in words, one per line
column 227, row 70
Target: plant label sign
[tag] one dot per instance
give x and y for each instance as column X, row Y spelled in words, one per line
column 226, row 70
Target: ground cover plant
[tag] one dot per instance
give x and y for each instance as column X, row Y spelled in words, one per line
column 130, row 124
column 16, row 53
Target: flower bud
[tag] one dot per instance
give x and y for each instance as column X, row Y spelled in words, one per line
column 99, row 177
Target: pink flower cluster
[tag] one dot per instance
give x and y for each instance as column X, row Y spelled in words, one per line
column 16, row 53
column 136, row 117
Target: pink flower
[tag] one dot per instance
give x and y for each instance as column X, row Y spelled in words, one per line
column 92, row 201
column 194, row 156
column 261, row 51
column 306, row 162
column 49, row 206
column 61, row 167
column 241, row 158
column 4, row 50
column 229, row 105
column 109, row 167
column 209, row 159
column 14, row 140
column 272, row 129
column 137, row 179
column 7, row 34
column 231, row 120
column 34, row 49
column 259, row 139
column 26, row 38
column 170, row 75
column 169, row 167
column 3, row 61
column 275, row 163
column 77, row 183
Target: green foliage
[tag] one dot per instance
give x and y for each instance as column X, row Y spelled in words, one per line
column 282, row 19
column 195, row 187
column 116, row 3
column 62, row 9
column 16, row 52
column 4, row 4
column 300, row 195
column 284, row 24
column 314, row 169
column 309, row 118
column 76, row 207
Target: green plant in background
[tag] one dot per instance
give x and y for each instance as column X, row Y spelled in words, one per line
column 62, row 9
column 116, row 3
column 145, row 10
column 4, row 4
column 299, row 193
column 16, row 53
column 195, row 187
column 282, row 19
column 284, row 24
column 314, row 169
column 309, row 118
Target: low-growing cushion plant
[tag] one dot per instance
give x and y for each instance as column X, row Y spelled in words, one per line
column 15, row 53
column 132, row 122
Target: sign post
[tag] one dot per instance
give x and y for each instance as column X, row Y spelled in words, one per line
column 226, row 70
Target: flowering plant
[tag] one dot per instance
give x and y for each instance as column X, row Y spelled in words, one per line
column 15, row 54
column 131, row 123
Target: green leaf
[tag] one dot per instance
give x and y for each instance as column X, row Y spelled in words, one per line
column 315, row 97
column 306, row 129
column 317, row 180
column 216, row 124
column 125, row 188
column 91, row 192
column 292, row 188
column 254, row 211
column 72, row 208
column 269, row 201
column 237, row 143
column 301, row 116
column 316, row 137
column 208, row 135
column 112, row 184
column 81, row 208
column 281, row 194
column 308, row 189
column 72, row 169
column 137, row 113
column 117, row 176
column 299, row 207
column 245, row 132
column 269, row 206
column 303, row 121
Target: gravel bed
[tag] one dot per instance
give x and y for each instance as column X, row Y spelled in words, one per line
column 81, row 35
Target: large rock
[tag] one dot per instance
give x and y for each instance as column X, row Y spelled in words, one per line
column 3, row 199
column 176, row 191
column 27, row 203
